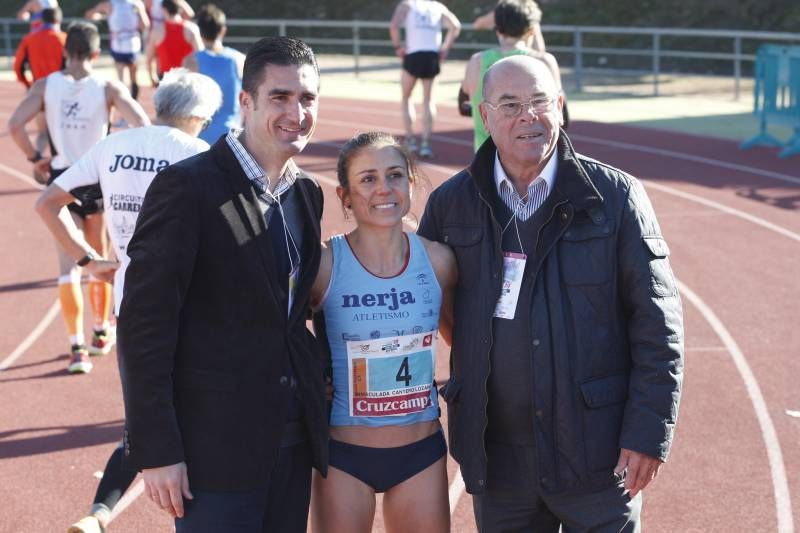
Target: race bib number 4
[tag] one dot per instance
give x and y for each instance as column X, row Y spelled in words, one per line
column 392, row 376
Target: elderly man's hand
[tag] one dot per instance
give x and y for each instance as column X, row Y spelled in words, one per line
column 167, row 486
column 641, row 470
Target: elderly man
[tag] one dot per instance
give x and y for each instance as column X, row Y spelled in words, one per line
column 568, row 342
column 223, row 384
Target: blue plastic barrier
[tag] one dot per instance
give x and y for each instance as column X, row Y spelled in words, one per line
column 777, row 96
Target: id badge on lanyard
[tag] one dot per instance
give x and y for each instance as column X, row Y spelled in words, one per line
column 513, row 270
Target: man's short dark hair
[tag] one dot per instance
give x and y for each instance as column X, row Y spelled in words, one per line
column 515, row 18
column 51, row 15
column 283, row 51
column 170, row 6
column 83, row 40
column 210, row 21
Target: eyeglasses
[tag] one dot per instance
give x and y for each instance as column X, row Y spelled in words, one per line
column 540, row 105
column 206, row 124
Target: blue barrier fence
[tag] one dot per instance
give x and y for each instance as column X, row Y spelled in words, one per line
column 777, row 96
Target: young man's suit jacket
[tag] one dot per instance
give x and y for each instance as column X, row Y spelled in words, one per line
column 204, row 337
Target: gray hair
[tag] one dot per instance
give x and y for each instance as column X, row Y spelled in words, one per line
column 183, row 94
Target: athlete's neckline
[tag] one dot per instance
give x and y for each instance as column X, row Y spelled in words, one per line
column 371, row 273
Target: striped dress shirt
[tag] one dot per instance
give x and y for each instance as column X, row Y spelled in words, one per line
column 525, row 206
column 257, row 175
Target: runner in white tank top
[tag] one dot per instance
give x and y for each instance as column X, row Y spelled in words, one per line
column 423, row 25
column 76, row 113
column 422, row 54
column 76, row 106
column 127, row 19
column 123, row 23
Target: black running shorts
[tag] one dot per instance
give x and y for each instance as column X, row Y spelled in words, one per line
column 422, row 65
column 89, row 196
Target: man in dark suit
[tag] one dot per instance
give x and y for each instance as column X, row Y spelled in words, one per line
column 223, row 383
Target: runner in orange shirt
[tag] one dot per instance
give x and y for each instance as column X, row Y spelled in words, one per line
column 42, row 52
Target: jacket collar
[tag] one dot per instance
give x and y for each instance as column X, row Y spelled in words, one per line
column 572, row 181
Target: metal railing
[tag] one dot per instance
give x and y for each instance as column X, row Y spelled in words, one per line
column 732, row 51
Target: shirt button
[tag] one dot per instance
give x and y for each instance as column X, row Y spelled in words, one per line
column 543, row 480
column 539, row 413
column 536, row 342
column 284, row 381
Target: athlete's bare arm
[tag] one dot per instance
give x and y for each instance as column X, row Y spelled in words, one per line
column 50, row 207
column 26, row 111
column 323, row 278
column 452, row 28
column 185, row 10
column 472, row 75
column 98, row 12
column 192, row 35
column 119, row 97
column 141, row 15
column 398, row 19
column 443, row 261
column 484, row 22
column 31, row 6
column 153, row 39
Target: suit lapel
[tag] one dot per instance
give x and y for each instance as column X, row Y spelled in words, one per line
column 249, row 210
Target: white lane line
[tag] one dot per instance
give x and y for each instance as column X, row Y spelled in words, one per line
column 14, row 173
column 725, row 209
column 128, row 498
column 456, row 490
column 793, row 414
column 32, row 337
column 780, row 484
column 40, row 328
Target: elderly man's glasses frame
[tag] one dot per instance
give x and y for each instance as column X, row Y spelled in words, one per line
column 513, row 108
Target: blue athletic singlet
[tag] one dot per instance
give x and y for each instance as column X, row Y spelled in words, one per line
column 382, row 334
column 222, row 68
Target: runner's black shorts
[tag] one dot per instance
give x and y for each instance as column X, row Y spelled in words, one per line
column 90, row 197
column 424, row 65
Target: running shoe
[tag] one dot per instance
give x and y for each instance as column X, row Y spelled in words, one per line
column 411, row 145
column 87, row 524
column 425, row 150
column 80, row 362
column 102, row 342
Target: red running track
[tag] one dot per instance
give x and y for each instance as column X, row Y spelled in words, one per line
column 731, row 220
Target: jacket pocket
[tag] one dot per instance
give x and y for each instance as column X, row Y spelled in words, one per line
column 584, row 254
column 465, row 241
column 662, row 283
column 205, row 380
column 602, row 419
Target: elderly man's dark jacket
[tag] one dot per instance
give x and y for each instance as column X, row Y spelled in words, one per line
column 205, row 340
column 607, row 373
